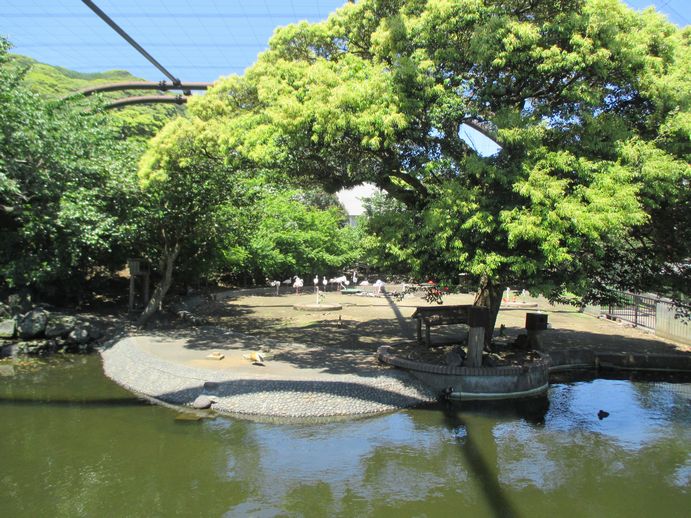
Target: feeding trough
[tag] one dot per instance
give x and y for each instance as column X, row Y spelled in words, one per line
column 318, row 306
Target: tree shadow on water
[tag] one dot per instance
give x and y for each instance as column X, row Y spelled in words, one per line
column 473, row 422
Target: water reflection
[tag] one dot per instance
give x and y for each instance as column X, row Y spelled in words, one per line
column 638, row 413
column 74, row 444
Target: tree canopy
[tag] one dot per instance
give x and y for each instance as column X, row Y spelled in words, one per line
column 588, row 101
column 81, row 190
column 67, row 183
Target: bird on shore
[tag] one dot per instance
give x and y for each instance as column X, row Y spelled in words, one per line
column 256, row 357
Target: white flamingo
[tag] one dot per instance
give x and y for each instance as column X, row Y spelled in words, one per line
column 298, row 284
column 316, row 283
column 339, row 281
column 378, row 285
column 324, row 282
column 276, row 284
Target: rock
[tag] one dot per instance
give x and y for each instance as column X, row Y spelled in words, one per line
column 10, row 350
column 33, row 324
column 33, row 347
column 202, row 402
column 521, row 341
column 491, row 360
column 60, row 326
column 19, row 303
column 5, row 311
column 7, row 328
column 95, row 332
column 79, row 335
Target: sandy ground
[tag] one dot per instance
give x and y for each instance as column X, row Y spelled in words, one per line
column 367, row 322
column 322, row 363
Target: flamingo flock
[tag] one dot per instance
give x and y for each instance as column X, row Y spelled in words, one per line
column 341, row 282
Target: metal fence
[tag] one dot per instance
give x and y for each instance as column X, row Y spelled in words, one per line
column 640, row 310
column 657, row 314
column 673, row 322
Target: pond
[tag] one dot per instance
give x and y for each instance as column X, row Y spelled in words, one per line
column 72, row 443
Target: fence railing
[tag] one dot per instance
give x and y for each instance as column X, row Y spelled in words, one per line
column 656, row 314
column 640, row 310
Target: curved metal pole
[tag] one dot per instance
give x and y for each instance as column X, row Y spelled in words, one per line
column 163, row 86
column 147, row 99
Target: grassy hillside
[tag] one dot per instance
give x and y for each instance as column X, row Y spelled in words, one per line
column 55, row 82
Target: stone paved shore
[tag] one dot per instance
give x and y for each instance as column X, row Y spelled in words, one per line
column 175, row 370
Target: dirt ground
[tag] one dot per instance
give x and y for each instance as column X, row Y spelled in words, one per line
column 366, row 322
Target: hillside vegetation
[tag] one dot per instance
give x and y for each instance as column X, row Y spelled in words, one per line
column 53, row 81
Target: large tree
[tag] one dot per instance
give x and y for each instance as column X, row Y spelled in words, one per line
column 587, row 100
column 206, row 212
column 67, row 185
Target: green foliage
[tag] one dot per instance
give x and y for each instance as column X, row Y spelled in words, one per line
column 588, row 100
column 52, row 82
column 293, row 238
column 67, row 183
column 230, row 218
column 183, row 196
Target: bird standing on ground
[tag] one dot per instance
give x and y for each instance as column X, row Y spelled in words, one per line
column 339, row 281
column 298, row 284
column 275, row 284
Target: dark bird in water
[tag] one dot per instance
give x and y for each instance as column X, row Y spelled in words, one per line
column 602, row 414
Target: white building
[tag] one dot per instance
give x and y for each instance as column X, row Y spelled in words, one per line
column 351, row 199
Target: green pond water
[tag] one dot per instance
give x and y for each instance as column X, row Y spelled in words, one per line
column 72, row 443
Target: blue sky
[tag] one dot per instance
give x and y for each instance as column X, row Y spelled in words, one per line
column 197, row 40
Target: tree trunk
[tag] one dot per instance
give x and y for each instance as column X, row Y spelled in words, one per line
column 489, row 296
column 167, row 263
